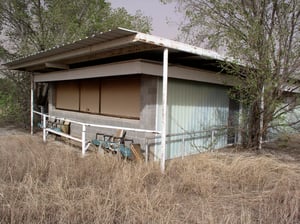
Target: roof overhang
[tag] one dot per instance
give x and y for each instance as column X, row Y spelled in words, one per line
column 134, row 67
column 104, row 45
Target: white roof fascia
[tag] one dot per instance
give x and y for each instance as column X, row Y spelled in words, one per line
column 133, row 67
column 150, row 39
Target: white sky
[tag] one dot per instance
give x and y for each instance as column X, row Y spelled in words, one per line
column 165, row 20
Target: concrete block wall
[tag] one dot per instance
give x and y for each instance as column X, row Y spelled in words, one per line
column 147, row 115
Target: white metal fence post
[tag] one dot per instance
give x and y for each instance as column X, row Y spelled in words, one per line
column 83, row 139
column 44, row 128
column 164, row 110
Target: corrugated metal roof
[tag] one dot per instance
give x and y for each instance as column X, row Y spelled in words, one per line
column 139, row 38
column 88, row 41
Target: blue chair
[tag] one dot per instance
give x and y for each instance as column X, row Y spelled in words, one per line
column 113, row 143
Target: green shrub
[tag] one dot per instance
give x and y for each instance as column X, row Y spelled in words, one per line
column 15, row 100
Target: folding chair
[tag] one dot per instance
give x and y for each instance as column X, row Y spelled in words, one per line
column 113, row 143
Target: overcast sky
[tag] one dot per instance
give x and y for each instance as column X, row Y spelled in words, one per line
column 164, row 18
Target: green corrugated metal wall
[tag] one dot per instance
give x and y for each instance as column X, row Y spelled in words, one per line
column 194, row 106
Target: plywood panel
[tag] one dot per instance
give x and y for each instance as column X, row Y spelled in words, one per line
column 67, row 95
column 90, row 96
column 121, row 97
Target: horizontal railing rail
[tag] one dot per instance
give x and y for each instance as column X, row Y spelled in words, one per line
column 187, row 135
column 84, row 143
column 182, row 136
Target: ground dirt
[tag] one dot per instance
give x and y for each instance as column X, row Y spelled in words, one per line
column 285, row 149
column 7, row 129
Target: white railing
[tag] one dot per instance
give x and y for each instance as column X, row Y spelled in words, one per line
column 83, row 140
column 212, row 133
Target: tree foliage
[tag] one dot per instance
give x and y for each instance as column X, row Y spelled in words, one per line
column 35, row 25
column 14, row 100
column 264, row 35
column 28, row 26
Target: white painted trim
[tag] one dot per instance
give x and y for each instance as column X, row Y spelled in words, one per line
column 187, row 73
column 114, row 69
column 157, row 126
column 164, row 110
column 163, row 42
column 99, row 125
column 136, row 67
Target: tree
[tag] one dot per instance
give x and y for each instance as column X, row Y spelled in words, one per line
column 29, row 26
column 264, row 35
column 35, row 25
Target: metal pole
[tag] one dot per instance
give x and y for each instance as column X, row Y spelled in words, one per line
column 31, row 103
column 44, row 128
column 83, row 139
column 164, row 110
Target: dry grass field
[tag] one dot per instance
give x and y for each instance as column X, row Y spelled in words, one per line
column 51, row 183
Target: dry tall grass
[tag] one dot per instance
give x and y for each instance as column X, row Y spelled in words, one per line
column 49, row 183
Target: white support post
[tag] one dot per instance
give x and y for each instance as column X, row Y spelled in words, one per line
column 164, row 110
column 31, row 103
column 83, row 140
column 44, row 128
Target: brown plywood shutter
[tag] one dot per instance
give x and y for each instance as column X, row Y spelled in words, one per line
column 90, row 96
column 121, row 97
column 67, row 95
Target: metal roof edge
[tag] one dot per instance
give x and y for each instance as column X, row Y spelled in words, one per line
column 67, row 45
column 117, row 33
column 172, row 44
